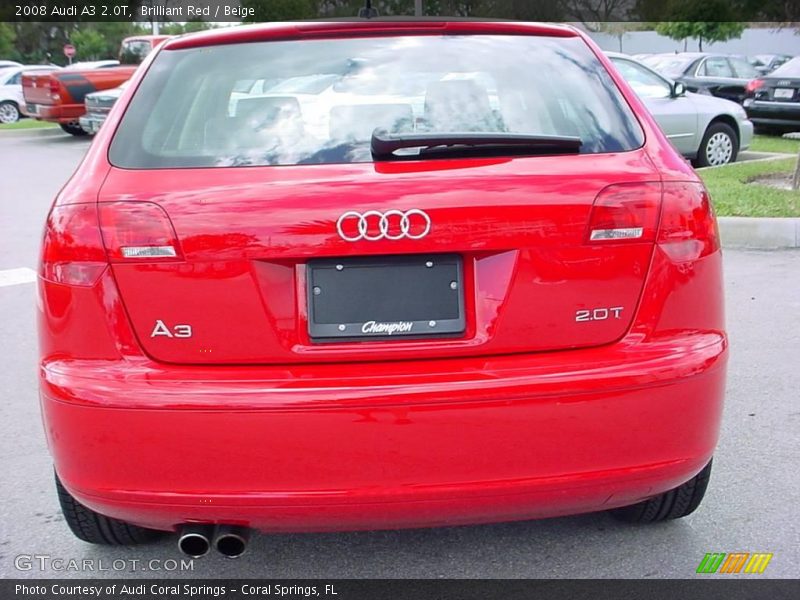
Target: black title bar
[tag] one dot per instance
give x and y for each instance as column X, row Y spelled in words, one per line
column 583, row 11
column 705, row 588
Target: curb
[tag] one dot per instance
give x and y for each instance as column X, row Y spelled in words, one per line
column 759, row 233
column 763, row 157
column 43, row 132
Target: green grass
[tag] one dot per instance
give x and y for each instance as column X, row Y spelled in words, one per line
column 27, row 124
column 774, row 143
column 733, row 196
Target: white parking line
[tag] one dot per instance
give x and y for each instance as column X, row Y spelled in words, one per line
column 17, row 276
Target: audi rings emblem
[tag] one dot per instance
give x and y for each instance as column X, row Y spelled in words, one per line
column 393, row 225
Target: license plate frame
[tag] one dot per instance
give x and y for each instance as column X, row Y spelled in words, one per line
column 385, row 298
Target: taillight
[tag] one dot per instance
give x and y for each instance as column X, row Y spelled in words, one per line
column 753, row 85
column 72, row 249
column 55, row 87
column 137, row 230
column 625, row 212
column 688, row 229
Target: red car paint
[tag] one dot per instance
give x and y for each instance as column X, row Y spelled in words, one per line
column 527, row 414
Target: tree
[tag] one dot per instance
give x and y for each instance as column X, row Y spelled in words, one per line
column 709, row 20
column 7, row 38
column 619, row 28
column 593, row 14
column 43, row 42
column 39, row 42
column 701, row 31
column 89, row 44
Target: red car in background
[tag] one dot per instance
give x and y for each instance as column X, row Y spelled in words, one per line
column 463, row 279
column 58, row 96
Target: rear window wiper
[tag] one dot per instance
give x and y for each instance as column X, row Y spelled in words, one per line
column 455, row 145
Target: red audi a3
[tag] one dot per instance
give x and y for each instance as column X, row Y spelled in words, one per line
column 358, row 275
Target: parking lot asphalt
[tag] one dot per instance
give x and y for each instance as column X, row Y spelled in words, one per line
column 751, row 506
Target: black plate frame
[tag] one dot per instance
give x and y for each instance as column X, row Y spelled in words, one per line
column 327, row 332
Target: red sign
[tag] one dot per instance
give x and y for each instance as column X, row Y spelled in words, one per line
column 69, row 50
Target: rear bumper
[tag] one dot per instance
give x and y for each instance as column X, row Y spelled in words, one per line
column 91, row 123
column 334, row 447
column 59, row 113
column 782, row 114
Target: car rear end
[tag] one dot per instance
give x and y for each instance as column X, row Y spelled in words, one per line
column 59, row 95
column 481, row 287
column 38, row 92
column 773, row 102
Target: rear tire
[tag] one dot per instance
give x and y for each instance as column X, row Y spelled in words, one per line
column 95, row 528
column 719, row 147
column 674, row 504
column 9, row 112
column 73, row 129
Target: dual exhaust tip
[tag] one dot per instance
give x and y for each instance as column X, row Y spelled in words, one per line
column 195, row 541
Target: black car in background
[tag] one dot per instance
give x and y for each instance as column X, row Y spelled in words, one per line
column 773, row 101
column 721, row 75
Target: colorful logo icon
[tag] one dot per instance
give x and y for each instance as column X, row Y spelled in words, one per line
column 734, row 562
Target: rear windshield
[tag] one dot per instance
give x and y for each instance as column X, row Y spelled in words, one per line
column 319, row 101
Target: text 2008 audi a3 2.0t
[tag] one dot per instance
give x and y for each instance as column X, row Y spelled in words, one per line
column 354, row 275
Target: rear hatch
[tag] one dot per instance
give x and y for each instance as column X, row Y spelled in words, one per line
column 780, row 89
column 249, row 227
column 246, row 236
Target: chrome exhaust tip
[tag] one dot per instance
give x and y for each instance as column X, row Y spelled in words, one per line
column 231, row 540
column 195, row 540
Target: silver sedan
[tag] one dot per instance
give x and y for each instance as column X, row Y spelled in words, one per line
column 709, row 130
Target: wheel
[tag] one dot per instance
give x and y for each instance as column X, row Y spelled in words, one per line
column 73, row 128
column 95, row 528
column 720, row 146
column 9, row 112
column 674, row 504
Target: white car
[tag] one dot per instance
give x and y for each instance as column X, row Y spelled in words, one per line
column 708, row 130
column 11, row 90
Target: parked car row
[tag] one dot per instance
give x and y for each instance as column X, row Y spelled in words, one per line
column 12, row 101
column 719, row 75
column 59, row 95
column 763, row 63
column 710, row 131
column 768, row 85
